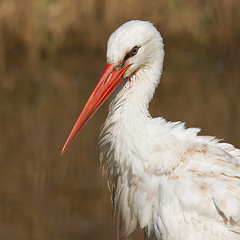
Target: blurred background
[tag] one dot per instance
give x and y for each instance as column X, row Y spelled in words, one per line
column 52, row 53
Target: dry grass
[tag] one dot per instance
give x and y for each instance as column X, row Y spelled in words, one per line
column 51, row 55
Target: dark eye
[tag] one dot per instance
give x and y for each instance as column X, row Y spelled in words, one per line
column 133, row 52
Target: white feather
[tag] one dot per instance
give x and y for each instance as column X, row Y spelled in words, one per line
column 166, row 179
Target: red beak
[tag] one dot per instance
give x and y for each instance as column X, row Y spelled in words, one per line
column 108, row 82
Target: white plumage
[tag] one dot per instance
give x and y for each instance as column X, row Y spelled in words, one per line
column 171, row 182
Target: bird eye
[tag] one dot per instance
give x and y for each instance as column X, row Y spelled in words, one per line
column 132, row 53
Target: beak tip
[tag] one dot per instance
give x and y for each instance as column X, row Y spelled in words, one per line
column 64, row 149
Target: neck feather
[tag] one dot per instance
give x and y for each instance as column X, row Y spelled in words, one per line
column 124, row 130
column 124, row 151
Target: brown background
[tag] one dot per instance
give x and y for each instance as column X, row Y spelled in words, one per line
column 51, row 56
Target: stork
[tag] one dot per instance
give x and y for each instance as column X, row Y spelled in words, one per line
column 173, row 183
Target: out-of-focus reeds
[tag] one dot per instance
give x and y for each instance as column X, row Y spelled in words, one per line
column 46, row 24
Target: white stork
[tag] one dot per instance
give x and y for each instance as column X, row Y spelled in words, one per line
column 165, row 178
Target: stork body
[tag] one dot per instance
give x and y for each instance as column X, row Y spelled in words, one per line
column 166, row 179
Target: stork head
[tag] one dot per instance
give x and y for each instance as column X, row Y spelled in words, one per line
column 133, row 46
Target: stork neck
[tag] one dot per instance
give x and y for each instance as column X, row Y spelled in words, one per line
column 126, row 128
column 137, row 92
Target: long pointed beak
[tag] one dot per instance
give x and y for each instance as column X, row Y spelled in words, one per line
column 108, row 82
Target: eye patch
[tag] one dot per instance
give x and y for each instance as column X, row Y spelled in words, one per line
column 132, row 53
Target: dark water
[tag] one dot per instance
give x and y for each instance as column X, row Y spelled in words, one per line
column 46, row 196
